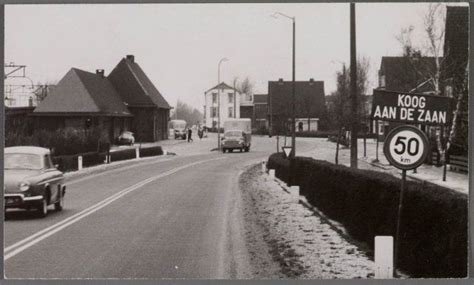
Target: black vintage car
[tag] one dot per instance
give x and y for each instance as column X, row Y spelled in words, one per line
column 31, row 180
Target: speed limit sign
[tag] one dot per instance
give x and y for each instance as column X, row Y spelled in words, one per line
column 406, row 147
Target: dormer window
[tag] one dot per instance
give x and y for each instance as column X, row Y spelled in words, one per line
column 381, row 81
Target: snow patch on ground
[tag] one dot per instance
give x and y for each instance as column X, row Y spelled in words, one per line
column 302, row 245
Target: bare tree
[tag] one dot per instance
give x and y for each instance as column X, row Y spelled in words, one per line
column 434, row 29
column 191, row 115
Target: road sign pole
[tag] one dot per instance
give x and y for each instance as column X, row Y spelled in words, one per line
column 400, row 208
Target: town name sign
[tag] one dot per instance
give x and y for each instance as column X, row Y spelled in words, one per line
column 411, row 108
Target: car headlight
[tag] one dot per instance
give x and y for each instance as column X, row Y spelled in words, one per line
column 25, row 185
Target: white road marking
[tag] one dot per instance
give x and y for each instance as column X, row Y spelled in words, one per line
column 20, row 246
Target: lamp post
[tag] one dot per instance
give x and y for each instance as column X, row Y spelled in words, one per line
column 293, row 96
column 219, row 103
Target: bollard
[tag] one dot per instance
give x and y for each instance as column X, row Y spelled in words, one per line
column 264, row 167
column 79, row 162
column 383, row 257
column 271, row 173
column 165, row 152
column 137, row 152
column 295, row 193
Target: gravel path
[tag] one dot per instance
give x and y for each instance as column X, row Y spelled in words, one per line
column 287, row 240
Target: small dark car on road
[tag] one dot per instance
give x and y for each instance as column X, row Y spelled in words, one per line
column 31, row 181
column 126, row 138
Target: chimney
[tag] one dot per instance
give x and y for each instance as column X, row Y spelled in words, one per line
column 280, row 81
column 100, row 72
column 311, row 81
column 131, row 57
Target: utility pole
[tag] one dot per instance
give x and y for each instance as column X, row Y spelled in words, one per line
column 219, row 103
column 354, row 115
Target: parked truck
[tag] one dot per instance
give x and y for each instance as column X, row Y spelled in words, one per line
column 178, row 129
column 237, row 135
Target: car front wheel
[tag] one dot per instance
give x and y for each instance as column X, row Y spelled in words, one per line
column 43, row 208
column 59, row 205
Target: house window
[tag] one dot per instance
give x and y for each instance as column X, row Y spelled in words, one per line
column 449, row 91
column 214, row 112
column 231, row 112
column 231, row 98
column 382, row 81
column 214, row 98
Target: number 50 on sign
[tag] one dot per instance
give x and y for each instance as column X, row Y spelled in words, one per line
column 406, row 147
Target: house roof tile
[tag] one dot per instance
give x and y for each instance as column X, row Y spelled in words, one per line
column 83, row 92
column 134, row 86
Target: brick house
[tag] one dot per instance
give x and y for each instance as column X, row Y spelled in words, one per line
column 126, row 100
column 309, row 105
column 260, row 111
column 150, row 110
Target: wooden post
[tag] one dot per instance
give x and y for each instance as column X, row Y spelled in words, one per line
column 399, row 217
column 79, row 162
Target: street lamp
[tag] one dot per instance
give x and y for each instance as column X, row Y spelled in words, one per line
column 219, row 103
column 293, row 99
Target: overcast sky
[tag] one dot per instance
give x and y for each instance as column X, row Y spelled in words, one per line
column 179, row 45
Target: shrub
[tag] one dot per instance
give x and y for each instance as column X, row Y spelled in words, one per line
column 123, row 154
column 433, row 240
column 69, row 162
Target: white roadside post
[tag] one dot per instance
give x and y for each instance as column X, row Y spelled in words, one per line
column 137, row 152
column 264, row 167
column 295, row 193
column 383, row 257
column 79, row 162
column 271, row 173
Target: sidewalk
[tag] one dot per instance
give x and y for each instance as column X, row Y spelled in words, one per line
column 326, row 150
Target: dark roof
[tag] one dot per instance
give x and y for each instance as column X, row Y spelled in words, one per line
column 309, row 98
column 260, row 98
column 134, row 86
column 405, row 74
column 221, row 85
column 83, row 92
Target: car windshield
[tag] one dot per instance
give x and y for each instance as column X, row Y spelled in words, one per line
column 23, row 161
column 233, row 134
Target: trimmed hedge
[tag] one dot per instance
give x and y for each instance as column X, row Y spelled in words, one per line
column 434, row 221
column 69, row 162
column 151, row 151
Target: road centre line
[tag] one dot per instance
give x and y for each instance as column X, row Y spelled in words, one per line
column 20, row 246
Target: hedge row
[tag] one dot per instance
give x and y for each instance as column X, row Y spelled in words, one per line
column 434, row 221
column 69, row 162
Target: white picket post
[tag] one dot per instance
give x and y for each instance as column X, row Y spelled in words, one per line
column 137, row 152
column 264, row 167
column 295, row 193
column 79, row 162
column 271, row 173
column 383, row 257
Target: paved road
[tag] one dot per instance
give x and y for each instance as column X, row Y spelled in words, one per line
column 167, row 217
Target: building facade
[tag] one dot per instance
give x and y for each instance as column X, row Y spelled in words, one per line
column 126, row 100
column 221, row 103
column 309, row 105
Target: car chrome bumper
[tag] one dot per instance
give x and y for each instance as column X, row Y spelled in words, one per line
column 20, row 199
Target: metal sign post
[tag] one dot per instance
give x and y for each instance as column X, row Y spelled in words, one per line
column 406, row 147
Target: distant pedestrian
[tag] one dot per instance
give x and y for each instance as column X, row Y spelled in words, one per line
column 200, row 132
column 190, row 133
